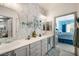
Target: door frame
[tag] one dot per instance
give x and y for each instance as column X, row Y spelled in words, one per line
column 74, row 37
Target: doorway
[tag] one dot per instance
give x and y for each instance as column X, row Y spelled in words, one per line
column 65, row 32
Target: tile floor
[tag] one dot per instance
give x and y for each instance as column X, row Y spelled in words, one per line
column 62, row 50
column 67, row 47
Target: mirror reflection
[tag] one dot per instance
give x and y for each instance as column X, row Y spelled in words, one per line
column 5, row 27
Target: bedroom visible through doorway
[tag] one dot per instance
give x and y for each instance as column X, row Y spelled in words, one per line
column 64, row 32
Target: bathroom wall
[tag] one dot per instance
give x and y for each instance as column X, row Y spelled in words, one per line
column 28, row 14
column 22, row 13
column 28, row 11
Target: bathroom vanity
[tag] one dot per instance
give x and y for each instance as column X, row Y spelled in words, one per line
column 37, row 42
column 38, row 46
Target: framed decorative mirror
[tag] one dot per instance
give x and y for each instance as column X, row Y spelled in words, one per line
column 5, row 27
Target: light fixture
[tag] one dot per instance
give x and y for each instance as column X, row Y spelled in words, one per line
column 42, row 16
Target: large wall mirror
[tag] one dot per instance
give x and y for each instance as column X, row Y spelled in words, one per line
column 47, row 26
column 5, row 27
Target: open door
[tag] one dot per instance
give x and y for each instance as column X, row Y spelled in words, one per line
column 65, row 31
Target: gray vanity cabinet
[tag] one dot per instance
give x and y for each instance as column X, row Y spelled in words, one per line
column 35, row 49
column 50, row 43
column 23, row 51
column 44, row 47
column 38, row 48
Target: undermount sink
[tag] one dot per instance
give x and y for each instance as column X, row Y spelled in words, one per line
column 6, row 40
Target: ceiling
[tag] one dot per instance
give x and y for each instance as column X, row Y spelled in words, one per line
column 47, row 7
column 50, row 6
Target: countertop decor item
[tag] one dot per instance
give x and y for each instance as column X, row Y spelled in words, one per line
column 39, row 35
column 28, row 37
column 34, row 34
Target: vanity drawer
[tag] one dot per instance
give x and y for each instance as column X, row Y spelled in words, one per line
column 21, row 51
column 44, row 44
column 44, row 50
column 44, row 40
column 44, row 47
column 36, row 53
column 44, row 53
column 35, row 49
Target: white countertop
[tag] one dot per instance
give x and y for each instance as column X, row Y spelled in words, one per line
column 20, row 43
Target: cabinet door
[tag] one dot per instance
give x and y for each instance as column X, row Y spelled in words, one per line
column 28, row 50
column 21, row 51
column 51, row 42
column 48, row 43
column 35, row 49
column 44, row 47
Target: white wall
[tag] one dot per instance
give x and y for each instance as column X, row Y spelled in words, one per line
column 77, row 10
column 25, row 12
column 28, row 13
